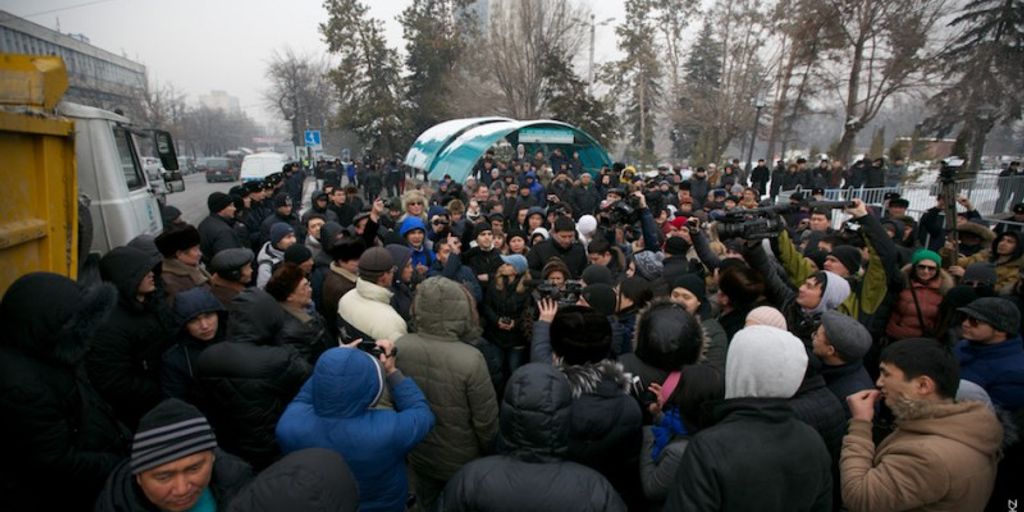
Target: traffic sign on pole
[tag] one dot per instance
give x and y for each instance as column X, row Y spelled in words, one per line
column 312, row 138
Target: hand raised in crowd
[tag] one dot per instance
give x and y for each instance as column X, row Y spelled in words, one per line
column 862, row 404
column 858, row 210
column 956, row 270
column 454, row 244
column 378, row 208
column 639, row 194
column 548, row 308
column 966, row 203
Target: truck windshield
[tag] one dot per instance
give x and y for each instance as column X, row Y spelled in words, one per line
column 129, row 165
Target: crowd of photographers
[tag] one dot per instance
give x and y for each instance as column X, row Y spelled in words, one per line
column 538, row 337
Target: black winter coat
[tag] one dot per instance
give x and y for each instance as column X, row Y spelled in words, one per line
column 124, row 362
column 505, row 303
column 481, row 261
column 605, row 427
column 531, row 474
column 248, row 380
column 310, row 479
column 216, row 234
column 307, row 334
column 59, row 439
column 585, row 200
column 122, row 493
column 756, row 457
column 178, row 363
column 575, row 257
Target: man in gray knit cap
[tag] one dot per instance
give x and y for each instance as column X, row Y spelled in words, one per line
column 175, row 465
column 841, row 342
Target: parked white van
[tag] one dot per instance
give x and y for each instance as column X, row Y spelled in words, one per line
column 260, row 165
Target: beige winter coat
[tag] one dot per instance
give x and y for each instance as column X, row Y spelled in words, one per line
column 941, row 459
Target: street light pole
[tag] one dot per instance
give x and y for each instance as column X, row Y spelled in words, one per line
column 759, row 103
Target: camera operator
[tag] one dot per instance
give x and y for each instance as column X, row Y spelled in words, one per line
column 870, row 295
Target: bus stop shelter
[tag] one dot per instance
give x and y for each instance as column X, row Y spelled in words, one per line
column 453, row 147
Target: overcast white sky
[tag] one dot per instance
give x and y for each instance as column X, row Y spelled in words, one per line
column 225, row 44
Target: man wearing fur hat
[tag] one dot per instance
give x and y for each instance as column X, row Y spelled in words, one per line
column 175, row 465
column 181, row 270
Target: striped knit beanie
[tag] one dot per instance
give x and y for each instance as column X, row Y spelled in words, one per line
column 170, row 431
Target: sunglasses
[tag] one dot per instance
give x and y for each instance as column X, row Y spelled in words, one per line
column 929, row 268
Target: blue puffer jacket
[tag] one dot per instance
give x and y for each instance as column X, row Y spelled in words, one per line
column 333, row 410
column 999, row 368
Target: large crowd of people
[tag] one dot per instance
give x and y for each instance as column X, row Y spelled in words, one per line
column 538, row 336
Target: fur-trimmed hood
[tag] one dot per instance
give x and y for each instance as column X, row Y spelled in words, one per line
column 584, row 378
column 51, row 317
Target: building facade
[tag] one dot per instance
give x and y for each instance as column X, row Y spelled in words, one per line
column 96, row 77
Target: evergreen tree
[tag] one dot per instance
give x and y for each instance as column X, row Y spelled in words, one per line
column 436, row 33
column 982, row 66
column 703, row 72
column 567, row 98
column 368, row 77
column 637, row 79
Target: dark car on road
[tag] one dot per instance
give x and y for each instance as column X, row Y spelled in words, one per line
column 219, row 169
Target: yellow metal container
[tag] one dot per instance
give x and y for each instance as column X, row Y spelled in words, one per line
column 39, row 206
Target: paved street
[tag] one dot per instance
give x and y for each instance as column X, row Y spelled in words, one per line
column 192, row 202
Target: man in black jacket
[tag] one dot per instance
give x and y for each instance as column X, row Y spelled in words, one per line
column 585, row 198
column 216, row 231
column 757, row 456
column 535, row 419
column 562, row 245
column 124, row 363
column 55, row 427
column 175, row 465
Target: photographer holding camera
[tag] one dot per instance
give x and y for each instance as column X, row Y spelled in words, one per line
column 337, row 409
column 869, row 296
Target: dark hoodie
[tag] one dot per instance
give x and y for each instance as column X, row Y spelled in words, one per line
column 122, row 493
column 55, row 426
column 124, row 363
column 311, row 480
column 248, row 380
column 178, row 371
column 535, row 421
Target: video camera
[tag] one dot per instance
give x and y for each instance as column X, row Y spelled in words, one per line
column 765, row 221
column 623, row 211
column 564, row 297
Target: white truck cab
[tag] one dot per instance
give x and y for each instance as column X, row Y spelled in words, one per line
column 121, row 195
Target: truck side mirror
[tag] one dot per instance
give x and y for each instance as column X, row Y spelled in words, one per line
column 165, row 149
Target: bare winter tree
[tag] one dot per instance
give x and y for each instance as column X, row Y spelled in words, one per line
column 519, row 33
column 300, row 91
column 888, row 48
